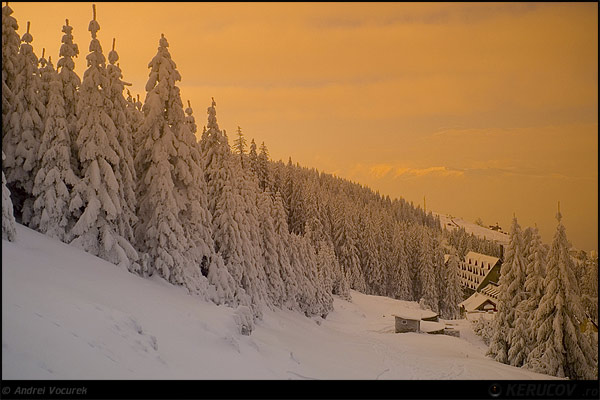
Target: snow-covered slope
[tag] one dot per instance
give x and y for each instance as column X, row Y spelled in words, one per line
column 481, row 232
column 69, row 315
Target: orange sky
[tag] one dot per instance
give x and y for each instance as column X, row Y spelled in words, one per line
column 486, row 109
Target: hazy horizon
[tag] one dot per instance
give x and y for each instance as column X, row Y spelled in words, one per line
column 485, row 109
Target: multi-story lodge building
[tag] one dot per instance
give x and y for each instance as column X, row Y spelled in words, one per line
column 477, row 270
column 479, row 275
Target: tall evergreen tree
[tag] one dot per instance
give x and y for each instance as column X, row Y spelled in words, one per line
column 454, row 292
column 534, row 286
column 399, row 282
column 55, row 179
column 440, row 270
column 288, row 275
column 173, row 230
column 293, row 196
column 10, row 65
column 21, row 136
column 233, row 217
column 125, row 174
column 97, row 202
column 512, row 279
column 562, row 349
column 270, row 251
column 427, row 278
column 368, row 253
column 70, row 89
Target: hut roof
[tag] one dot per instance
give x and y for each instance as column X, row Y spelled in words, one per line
column 415, row 314
column 431, row 326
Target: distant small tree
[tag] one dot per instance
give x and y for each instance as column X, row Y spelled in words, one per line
column 264, row 171
column 239, row 145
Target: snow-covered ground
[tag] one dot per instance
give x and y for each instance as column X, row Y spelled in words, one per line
column 69, row 315
column 451, row 222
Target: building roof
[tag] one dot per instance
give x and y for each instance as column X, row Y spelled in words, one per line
column 415, row 314
column 491, row 290
column 475, row 301
column 431, row 326
column 482, row 257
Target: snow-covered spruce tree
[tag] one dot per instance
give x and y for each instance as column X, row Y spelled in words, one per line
column 270, row 250
column 215, row 156
column 264, row 170
column 125, row 174
column 399, row 282
column 135, row 119
column 10, row 64
column 327, row 265
column 483, row 328
column 21, row 138
column 590, row 287
column 9, row 230
column 527, row 238
column 312, row 298
column 248, row 190
column 55, row 178
column 47, row 71
column 173, row 228
column 518, row 337
column 325, row 255
column 293, row 196
column 70, row 88
column 345, row 247
column 232, row 215
column 427, row 278
column 190, row 120
column 414, row 249
column 388, row 250
column 367, row 251
column 534, row 285
column 96, row 200
column 511, row 282
column 562, row 350
column 288, row 275
column 454, row 292
column 440, row 270
column 253, row 158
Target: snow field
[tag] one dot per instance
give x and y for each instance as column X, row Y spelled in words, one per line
column 70, row 315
